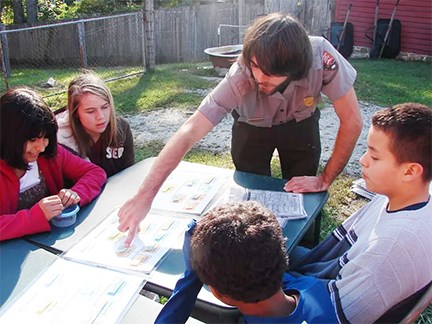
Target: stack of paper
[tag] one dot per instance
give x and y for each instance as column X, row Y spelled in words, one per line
column 359, row 187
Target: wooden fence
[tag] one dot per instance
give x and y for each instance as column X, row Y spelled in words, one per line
column 181, row 34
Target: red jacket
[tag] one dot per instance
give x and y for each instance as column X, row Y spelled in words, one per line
column 88, row 180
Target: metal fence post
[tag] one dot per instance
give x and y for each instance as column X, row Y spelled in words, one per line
column 82, row 44
column 149, row 35
column 240, row 20
column 143, row 40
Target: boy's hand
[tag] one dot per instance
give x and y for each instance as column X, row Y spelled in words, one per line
column 51, row 206
column 68, row 197
column 186, row 244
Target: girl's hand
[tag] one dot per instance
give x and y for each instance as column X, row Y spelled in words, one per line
column 51, row 206
column 68, row 197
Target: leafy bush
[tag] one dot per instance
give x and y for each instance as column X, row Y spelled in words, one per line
column 52, row 10
column 88, row 7
column 57, row 10
column 105, row 7
column 170, row 3
column 7, row 15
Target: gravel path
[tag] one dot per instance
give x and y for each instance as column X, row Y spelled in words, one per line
column 160, row 125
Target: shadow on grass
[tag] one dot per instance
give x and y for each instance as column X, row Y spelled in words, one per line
column 168, row 86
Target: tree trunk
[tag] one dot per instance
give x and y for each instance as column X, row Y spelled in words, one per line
column 18, row 12
column 32, row 10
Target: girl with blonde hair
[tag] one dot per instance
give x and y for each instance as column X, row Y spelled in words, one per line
column 90, row 128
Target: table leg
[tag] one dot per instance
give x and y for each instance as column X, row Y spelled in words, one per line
column 317, row 229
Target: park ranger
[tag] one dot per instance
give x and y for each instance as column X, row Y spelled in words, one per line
column 272, row 91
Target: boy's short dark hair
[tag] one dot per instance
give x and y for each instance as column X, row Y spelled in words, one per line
column 409, row 127
column 24, row 115
column 281, row 46
column 238, row 249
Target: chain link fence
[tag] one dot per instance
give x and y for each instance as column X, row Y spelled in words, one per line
column 48, row 52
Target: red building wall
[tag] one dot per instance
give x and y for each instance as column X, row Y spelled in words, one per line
column 415, row 17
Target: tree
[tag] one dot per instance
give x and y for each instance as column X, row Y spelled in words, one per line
column 18, row 12
column 32, row 11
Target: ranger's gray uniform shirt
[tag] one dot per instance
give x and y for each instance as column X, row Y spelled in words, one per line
column 330, row 74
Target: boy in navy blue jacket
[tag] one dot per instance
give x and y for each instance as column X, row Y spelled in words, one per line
column 239, row 252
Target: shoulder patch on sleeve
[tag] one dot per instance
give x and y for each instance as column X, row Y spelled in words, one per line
column 329, row 63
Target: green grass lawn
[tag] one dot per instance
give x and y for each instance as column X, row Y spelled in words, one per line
column 382, row 82
column 389, row 82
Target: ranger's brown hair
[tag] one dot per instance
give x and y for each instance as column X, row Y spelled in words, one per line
column 280, row 45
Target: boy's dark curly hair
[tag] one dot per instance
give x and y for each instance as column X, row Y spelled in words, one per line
column 238, row 249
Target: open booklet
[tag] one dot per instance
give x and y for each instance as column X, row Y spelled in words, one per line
column 70, row 292
column 285, row 205
column 103, row 246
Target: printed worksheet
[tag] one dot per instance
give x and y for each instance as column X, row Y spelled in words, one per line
column 70, row 292
column 285, row 205
column 105, row 244
column 188, row 192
